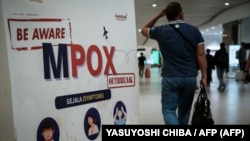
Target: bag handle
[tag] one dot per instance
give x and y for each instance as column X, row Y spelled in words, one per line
column 203, row 93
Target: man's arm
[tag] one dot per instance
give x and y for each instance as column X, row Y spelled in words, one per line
column 151, row 23
column 202, row 63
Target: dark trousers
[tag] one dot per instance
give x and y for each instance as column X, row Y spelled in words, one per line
column 209, row 76
column 141, row 71
column 242, row 65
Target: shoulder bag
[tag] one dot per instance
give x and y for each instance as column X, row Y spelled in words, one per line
column 202, row 114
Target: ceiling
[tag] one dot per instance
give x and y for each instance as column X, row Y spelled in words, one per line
column 196, row 12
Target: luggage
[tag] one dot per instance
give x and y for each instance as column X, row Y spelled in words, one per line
column 147, row 73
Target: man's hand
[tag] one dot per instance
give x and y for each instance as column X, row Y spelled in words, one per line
column 151, row 23
column 162, row 13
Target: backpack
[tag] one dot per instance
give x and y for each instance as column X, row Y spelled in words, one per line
column 241, row 55
column 222, row 60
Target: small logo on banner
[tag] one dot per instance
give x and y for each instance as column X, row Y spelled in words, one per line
column 121, row 17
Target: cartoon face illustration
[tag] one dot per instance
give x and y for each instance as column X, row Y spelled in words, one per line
column 92, row 123
column 120, row 114
column 93, row 128
column 48, row 130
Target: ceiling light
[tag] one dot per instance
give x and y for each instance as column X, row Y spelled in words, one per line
column 154, row 5
column 227, row 4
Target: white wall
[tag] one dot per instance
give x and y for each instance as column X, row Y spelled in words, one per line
column 214, row 38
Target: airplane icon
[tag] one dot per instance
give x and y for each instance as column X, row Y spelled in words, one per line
column 105, row 33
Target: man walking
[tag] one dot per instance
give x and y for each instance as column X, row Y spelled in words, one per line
column 180, row 62
column 141, row 63
column 222, row 65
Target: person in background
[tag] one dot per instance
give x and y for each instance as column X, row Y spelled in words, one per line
column 241, row 56
column 180, row 62
column 222, row 65
column 141, row 63
column 210, row 66
column 246, row 70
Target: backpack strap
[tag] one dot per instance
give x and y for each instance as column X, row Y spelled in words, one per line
column 185, row 38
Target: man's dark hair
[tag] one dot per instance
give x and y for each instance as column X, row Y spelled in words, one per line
column 172, row 10
column 208, row 50
column 222, row 45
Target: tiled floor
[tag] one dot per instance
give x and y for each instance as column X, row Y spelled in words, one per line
column 229, row 107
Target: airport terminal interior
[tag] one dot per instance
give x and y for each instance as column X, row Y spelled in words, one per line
column 230, row 107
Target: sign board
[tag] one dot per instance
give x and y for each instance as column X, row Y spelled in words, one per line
column 73, row 67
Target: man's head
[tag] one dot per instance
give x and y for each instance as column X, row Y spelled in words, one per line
column 222, row 46
column 174, row 11
column 208, row 51
column 242, row 44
